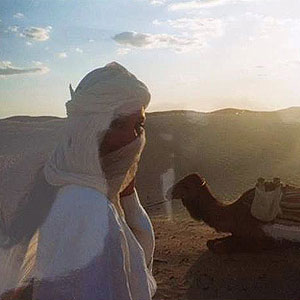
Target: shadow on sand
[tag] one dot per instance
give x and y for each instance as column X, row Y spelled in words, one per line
column 269, row 275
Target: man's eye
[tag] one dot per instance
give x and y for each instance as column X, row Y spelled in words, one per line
column 142, row 124
column 139, row 127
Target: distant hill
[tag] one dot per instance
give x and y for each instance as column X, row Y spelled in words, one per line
column 30, row 119
column 232, row 111
column 230, row 147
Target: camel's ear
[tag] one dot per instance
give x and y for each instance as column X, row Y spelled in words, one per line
column 196, row 175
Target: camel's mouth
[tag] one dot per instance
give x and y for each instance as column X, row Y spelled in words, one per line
column 185, row 187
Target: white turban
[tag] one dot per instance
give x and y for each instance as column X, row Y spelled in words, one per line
column 108, row 90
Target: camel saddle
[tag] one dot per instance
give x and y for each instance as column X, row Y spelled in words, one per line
column 275, row 202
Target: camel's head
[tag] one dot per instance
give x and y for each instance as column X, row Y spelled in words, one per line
column 186, row 188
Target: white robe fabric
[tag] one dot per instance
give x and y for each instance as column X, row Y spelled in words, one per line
column 93, row 251
column 86, row 227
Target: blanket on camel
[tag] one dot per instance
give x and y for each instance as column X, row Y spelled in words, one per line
column 275, row 202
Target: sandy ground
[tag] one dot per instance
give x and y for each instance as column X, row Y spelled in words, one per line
column 185, row 269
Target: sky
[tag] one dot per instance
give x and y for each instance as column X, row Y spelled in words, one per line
column 201, row 55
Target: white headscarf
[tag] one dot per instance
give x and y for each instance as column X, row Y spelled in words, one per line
column 102, row 96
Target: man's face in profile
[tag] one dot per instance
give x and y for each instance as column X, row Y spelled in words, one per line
column 122, row 131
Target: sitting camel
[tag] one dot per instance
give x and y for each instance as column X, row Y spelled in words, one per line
column 247, row 232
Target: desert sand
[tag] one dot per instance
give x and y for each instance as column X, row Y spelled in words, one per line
column 231, row 148
column 185, row 269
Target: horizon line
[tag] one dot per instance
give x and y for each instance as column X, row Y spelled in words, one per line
column 171, row 111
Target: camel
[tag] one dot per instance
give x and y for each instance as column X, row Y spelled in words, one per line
column 247, row 232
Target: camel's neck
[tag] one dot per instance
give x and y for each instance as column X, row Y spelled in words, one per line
column 207, row 208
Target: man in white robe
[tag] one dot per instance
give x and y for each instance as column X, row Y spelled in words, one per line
column 94, row 244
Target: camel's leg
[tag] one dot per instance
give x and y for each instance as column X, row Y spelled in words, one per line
column 222, row 245
column 211, row 244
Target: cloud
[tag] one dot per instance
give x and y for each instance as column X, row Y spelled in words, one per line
column 294, row 63
column 158, row 2
column 37, row 63
column 157, row 41
column 206, row 27
column 189, row 5
column 195, row 34
column 37, row 33
column 123, row 51
column 198, row 4
column 79, row 50
column 135, row 39
column 5, row 63
column 18, row 15
column 272, row 27
column 156, row 22
column 62, row 55
column 13, row 28
column 7, row 69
